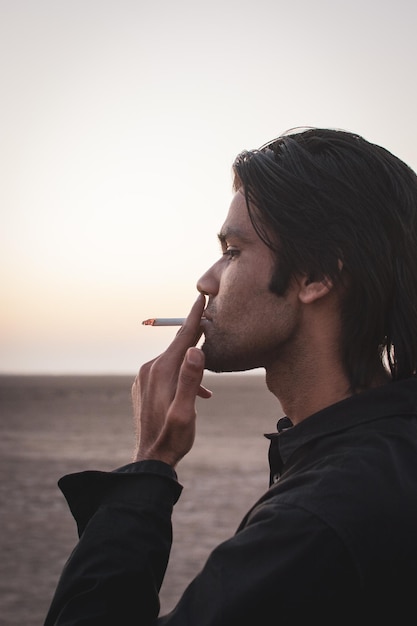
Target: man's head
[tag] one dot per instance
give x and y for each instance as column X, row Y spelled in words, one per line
column 332, row 206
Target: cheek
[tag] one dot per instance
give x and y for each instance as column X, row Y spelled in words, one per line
column 228, row 282
column 229, row 300
column 242, row 294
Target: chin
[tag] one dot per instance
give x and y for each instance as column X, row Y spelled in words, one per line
column 218, row 361
column 214, row 360
column 225, row 368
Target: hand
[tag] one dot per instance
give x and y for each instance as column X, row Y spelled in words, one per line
column 164, row 394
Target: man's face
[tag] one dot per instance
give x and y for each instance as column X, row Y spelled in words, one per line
column 247, row 325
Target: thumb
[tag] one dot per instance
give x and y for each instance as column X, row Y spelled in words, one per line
column 193, row 367
column 196, row 359
column 190, row 376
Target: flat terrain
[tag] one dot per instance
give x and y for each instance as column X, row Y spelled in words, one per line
column 54, row 425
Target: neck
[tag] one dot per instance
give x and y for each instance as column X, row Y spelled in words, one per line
column 308, row 388
column 308, row 374
column 312, row 385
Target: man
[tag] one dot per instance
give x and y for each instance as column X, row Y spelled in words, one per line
column 317, row 284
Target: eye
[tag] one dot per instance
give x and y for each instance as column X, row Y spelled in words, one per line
column 231, row 252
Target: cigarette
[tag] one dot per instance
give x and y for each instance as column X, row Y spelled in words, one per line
column 165, row 321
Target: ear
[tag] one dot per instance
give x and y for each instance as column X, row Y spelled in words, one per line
column 312, row 290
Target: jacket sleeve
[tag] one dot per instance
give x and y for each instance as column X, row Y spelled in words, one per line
column 115, row 572
column 283, row 561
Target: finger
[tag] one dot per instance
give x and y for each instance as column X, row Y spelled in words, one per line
column 196, row 311
column 191, row 331
column 189, row 382
column 203, row 392
column 187, row 336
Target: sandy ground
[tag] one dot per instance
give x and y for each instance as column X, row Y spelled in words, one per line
column 52, row 426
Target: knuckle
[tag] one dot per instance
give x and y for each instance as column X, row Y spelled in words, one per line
column 143, row 373
column 181, row 420
column 188, row 379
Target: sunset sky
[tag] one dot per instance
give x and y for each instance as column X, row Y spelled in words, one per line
column 120, row 122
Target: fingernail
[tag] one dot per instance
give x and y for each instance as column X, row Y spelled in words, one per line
column 195, row 357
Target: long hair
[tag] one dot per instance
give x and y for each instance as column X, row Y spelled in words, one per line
column 323, row 200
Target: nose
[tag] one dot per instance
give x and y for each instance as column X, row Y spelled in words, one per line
column 208, row 283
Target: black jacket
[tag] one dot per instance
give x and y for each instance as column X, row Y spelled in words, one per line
column 334, row 539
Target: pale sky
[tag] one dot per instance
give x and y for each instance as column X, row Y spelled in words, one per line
column 120, row 120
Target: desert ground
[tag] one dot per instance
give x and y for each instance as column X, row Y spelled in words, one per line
column 55, row 425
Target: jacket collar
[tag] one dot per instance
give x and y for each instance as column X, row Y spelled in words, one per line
column 393, row 399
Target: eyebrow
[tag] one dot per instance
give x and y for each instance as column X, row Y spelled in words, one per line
column 227, row 233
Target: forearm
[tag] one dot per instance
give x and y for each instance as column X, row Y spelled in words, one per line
column 116, row 570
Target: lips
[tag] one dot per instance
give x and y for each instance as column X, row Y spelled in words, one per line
column 207, row 316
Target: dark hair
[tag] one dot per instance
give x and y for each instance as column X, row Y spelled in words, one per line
column 321, row 198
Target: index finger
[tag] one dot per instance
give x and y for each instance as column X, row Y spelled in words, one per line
column 191, row 331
